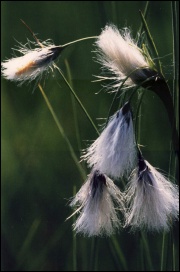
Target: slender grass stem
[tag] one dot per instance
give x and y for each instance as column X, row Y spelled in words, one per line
column 173, row 253
column 146, row 248
column 151, row 41
column 119, row 253
column 79, row 40
column 145, row 15
column 73, row 106
column 114, row 11
column 138, row 119
column 77, row 99
column 94, row 254
column 163, row 251
column 73, row 155
column 74, row 240
column 175, row 34
column 27, row 242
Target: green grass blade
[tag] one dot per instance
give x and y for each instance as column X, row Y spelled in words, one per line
column 147, row 251
column 151, row 42
column 175, row 34
column 145, row 15
column 74, row 240
column 119, row 253
column 73, row 155
column 73, row 106
column 163, row 261
column 77, row 99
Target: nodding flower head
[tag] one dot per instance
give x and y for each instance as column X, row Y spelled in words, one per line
column 119, row 54
column 31, row 64
column 96, row 200
column 152, row 200
column 114, row 152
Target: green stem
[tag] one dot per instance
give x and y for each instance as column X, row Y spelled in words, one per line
column 137, row 126
column 173, row 253
column 163, row 251
column 145, row 15
column 146, row 248
column 119, row 253
column 73, row 155
column 73, row 106
column 74, row 240
column 94, row 254
column 151, row 41
column 175, row 34
column 77, row 99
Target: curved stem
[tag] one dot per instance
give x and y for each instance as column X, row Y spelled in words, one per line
column 160, row 87
column 79, row 40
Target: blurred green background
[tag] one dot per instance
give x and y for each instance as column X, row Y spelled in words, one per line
column 38, row 173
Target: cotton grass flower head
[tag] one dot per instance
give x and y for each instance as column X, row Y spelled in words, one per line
column 96, row 200
column 119, row 54
column 114, row 151
column 152, row 200
column 31, row 64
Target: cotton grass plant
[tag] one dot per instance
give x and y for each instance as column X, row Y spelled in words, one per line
column 149, row 200
column 96, row 200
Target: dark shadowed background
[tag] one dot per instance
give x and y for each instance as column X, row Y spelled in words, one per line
column 38, row 173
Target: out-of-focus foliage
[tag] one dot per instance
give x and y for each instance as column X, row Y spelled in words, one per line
column 38, row 173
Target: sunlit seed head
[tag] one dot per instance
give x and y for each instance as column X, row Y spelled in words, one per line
column 119, row 54
column 31, row 65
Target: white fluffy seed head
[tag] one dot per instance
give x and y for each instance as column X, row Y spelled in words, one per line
column 119, row 54
column 32, row 64
column 96, row 200
column 152, row 200
column 114, row 152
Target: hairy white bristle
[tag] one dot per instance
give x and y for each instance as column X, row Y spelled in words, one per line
column 119, row 54
column 32, row 64
column 97, row 199
column 152, row 200
column 114, row 151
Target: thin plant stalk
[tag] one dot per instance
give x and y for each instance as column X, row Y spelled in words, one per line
column 146, row 249
column 73, row 106
column 61, row 46
column 119, row 253
column 138, row 118
column 74, row 240
column 173, row 253
column 94, row 254
column 73, row 155
column 143, row 236
column 175, row 35
column 79, row 40
column 55, row 66
column 151, row 41
column 163, row 251
column 114, row 11
column 27, row 242
column 145, row 15
column 77, row 99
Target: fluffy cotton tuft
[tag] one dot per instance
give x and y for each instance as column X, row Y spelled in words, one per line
column 119, row 54
column 114, row 152
column 32, row 64
column 97, row 199
column 152, row 200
